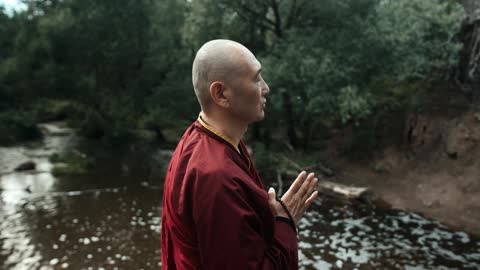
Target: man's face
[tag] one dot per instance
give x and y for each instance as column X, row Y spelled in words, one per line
column 248, row 100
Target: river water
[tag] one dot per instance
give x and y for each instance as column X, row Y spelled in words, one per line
column 109, row 218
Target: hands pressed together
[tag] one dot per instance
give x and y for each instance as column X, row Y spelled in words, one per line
column 298, row 198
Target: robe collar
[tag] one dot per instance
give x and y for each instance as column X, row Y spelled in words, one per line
column 244, row 160
column 218, row 133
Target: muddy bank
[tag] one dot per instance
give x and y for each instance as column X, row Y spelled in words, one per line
column 436, row 172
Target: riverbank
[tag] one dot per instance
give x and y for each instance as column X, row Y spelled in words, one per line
column 433, row 192
column 437, row 174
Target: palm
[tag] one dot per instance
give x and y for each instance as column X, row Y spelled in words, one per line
column 298, row 198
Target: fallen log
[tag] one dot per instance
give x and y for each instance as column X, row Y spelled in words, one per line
column 342, row 190
column 336, row 189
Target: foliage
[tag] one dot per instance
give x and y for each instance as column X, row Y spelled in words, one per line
column 421, row 33
column 17, row 127
column 113, row 66
column 329, row 73
column 53, row 110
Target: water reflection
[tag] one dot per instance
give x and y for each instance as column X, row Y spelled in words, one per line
column 112, row 228
column 19, row 186
column 341, row 236
column 85, row 221
column 119, row 228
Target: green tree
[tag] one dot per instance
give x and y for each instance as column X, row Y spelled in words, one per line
column 127, row 64
column 325, row 74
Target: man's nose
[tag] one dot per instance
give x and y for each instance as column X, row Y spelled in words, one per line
column 265, row 89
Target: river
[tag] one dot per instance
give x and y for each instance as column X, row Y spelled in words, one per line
column 109, row 218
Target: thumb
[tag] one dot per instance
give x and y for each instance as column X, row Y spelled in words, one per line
column 271, row 194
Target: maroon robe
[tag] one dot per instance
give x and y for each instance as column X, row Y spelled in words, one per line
column 216, row 214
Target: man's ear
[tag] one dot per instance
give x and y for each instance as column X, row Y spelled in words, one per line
column 218, row 94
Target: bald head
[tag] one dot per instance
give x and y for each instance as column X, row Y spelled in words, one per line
column 217, row 60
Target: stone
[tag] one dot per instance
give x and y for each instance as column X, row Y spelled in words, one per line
column 26, row 166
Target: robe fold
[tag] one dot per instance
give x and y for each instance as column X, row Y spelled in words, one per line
column 215, row 213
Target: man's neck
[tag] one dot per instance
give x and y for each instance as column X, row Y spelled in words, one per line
column 228, row 127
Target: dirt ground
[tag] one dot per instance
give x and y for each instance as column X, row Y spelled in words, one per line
column 436, row 175
column 453, row 200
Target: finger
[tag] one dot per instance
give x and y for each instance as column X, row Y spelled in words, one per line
column 304, row 188
column 272, row 200
column 311, row 188
column 310, row 200
column 297, row 183
column 271, row 195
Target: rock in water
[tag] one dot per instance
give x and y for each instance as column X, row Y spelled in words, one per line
column 26, row 166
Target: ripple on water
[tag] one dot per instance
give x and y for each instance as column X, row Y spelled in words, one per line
column 86, row 230
column 96, row 230
column 363, row 237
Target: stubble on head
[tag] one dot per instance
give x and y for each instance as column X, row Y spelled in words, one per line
column 217, row 60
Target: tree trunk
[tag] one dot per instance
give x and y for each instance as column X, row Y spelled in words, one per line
column 288, row 108
column 469, row 66
column 159, row 134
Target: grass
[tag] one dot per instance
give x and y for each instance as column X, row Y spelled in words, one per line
column 71, row 163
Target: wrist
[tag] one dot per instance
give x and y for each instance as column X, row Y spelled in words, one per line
column 287, row 221
column 286, row 213
column 281, row 213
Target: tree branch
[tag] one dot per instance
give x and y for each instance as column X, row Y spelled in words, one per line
column 256, row 14
column 291, row 14
column 259, row 23
column 278, row 22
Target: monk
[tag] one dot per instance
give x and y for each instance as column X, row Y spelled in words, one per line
column 216, row 212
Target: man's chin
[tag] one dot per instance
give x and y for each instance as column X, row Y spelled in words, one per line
column 260, row 117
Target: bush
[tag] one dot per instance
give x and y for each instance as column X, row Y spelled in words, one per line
column 54, row 110
column 17, row 127
column 92, row 125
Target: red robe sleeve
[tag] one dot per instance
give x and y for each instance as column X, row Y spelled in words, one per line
column 235, row 227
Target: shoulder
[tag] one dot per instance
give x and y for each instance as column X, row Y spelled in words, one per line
column 210, row 158
column 215, row 164
column 201, row 159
